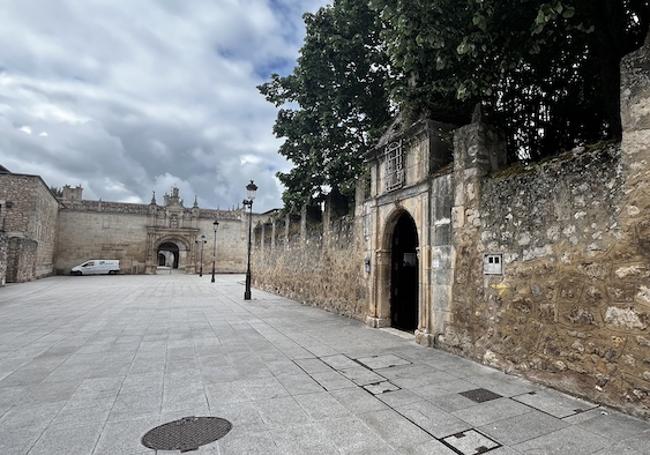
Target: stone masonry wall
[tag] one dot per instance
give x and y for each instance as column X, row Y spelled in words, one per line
column 564, row 311
column 321, row 270
column 29, row 210
column 3, row 258
column 572, row 308
column 42, row 229
column 22, row 257
column 119, row 231
column 84, row 235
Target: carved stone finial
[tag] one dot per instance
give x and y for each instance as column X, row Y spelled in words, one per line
column 196, row 202
column 477, row 115
column 153, row 198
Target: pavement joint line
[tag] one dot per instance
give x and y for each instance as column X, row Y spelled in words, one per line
column 514, row 398
column 108, row 416
column 279, row 333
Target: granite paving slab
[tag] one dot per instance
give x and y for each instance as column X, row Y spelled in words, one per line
column 88, row 366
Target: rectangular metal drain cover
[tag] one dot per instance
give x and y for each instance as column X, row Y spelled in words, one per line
column 480, row 395
column 470, row 442
column 381, row 387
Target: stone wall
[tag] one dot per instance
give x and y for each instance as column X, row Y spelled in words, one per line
column 91, row 234
column 572, row 307
column 232, row 235
column 111, row 230
column 323, row 267
column 42, row 229
column 22, row 255
column 3, row 258
column 568, row 309
column 29, row 210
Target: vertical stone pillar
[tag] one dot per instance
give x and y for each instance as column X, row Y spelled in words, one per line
column 303, row 224
column 327, row 222
column 274, row 223
column 380, row 314
column 263, row 238
column 478, row 150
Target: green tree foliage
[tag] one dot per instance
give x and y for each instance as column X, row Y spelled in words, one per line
column 334, row 105
column 547, row 71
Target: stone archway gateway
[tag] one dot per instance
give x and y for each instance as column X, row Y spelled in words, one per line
column 173, row 252
column 168, row 255
column 404, row 274
column 397, row 299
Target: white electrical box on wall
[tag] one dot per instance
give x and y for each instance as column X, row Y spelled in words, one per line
column 493, row 264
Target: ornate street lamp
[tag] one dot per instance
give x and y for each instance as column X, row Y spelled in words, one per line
column 215, row 225
column 201, row 241
column 251, row 188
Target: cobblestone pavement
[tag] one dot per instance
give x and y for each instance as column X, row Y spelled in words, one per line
column 89, row 364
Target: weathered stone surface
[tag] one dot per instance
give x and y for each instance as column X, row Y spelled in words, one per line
column 624, row 318
column 3, row 258
column 28, row 215
column 325, row 270
column 131, row 233
column 48, row 235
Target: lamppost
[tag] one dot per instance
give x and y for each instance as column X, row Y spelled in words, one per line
column 202, row 241
column 251, row 188
column 215, row 225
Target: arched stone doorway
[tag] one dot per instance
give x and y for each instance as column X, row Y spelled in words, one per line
column 168, row 255
column 404, row 274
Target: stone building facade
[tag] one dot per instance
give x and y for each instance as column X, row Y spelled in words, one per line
column 145, row 237
column 541, row 270
column 28, row 218
column 42, row 233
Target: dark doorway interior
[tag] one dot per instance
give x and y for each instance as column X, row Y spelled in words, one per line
column 404, row 275
column 170, row 248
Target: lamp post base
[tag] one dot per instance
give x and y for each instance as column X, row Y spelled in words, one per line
column 212, row 280
column 247, row 291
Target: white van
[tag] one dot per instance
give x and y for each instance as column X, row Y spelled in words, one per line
column 97, row 267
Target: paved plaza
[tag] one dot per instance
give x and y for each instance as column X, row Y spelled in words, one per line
column 89, row 364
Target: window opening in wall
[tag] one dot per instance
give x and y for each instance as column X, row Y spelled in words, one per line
column 493, row 264
column 394, row 166
column 367, row 184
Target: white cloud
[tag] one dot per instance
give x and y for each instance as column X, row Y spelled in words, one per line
column 133, row 96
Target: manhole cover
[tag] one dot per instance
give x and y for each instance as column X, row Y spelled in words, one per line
column 480, row 395
column 188, row 433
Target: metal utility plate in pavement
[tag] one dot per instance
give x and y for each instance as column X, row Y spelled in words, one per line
column 555, row 404
column 381, row 387
column 186, row 434
column 470, row 442
column 382, row 361
column 480, row 395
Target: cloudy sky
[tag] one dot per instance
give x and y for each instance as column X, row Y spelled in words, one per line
column 125, row 97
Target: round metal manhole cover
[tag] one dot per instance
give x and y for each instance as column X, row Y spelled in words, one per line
column 188, row 433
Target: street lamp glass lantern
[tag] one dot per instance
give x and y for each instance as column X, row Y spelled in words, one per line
column 215, row 225
column 251, row 188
